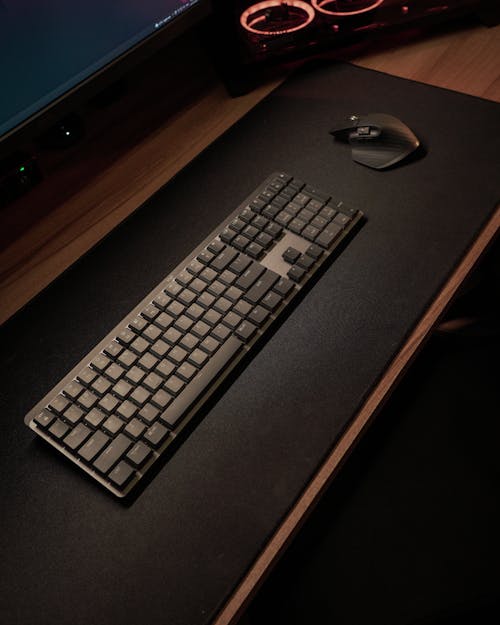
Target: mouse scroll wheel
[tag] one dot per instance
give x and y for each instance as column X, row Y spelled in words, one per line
column 363, row 131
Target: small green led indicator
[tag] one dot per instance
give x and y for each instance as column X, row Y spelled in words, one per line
column 22, row 168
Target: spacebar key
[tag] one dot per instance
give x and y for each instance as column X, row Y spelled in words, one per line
column 178, row 408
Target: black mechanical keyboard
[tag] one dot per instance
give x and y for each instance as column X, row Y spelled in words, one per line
column 122, row 406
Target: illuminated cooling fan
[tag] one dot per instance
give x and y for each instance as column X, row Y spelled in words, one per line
column 273, row 17
column 345, row 8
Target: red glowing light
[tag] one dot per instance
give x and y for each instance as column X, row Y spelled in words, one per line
column 343, row 8
column 258, row 18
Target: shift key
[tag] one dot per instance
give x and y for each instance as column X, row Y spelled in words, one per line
column 201, row 382
column 113, row 452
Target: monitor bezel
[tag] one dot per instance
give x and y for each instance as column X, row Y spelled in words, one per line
column 23, row 134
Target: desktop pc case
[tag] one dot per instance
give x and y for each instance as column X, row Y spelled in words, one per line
column 250, row 36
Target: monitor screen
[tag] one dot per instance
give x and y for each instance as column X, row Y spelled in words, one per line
column 50, row 47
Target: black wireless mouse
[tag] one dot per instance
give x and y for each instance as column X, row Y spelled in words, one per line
column 378, row 140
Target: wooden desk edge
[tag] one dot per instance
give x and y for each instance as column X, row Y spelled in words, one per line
column 254, row 578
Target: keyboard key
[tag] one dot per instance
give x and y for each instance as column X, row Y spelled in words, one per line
column 174, row 385
column 249, row 276
column 222, row 305
column 200, row 329
column 341, row 220
column 261, row 287
column 246, row 330
column 156, row 435
column 310, row 232
column 113, row 349
column 224, row 259
column 152, row 382
column 93, row 446
column 283, row 287
column 243, row 308
column 121, row 474
column 159, row 349
column 227, row 277
column 114, row 372
column 221, row 332
column 206, row 299
column 150, row 312
column 100, row 363
column 205, row 257
column 138, row 324
column 73, row 389
column 209, row 345
column 138, row 455
column 328, row 236
column 198, row 286
column 240, row 264
column 44, row 418
column 165, row 368
column 305, row 262
column 291, row 255
column 186, row 371
column 135, row 375
column 101, row 386
column 172, row 335
column 227, row 235
column 73, row 414
column 264, row 240
column 140, row 396
column 254, row 250
column 232, row 320
column 87, row 376
column 258, row 316
column 189, row 342
column 127, row 358
column 198, row 358
column 94, row 418
column 161, row 399
column 135, row 428
column 112, row 425
column 297, row 225
column 121, row 389
column 164, row 320
column 271, row 301
column 88, row 400
column 59, row 404
column 113, row 452
column 275, row 230
column 108, row 403
column 315, row 251
column 186, row 297
column 59, row 429
column 240, row 242
column 296, row 273
column 149, row 413
column 77, row 436
column 151, row 333
column 126, row 410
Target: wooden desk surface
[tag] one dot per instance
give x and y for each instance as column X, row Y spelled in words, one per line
column 95, row 186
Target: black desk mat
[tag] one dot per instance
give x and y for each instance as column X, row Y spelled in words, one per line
column 73, row 554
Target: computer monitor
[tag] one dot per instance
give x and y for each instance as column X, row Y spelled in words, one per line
column 55, row 54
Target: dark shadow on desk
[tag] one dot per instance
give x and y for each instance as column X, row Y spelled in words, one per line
column 408, row 532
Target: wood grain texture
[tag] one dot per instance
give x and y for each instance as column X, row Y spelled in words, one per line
column 254, row 578
column 465, row 60
column 95, row 187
